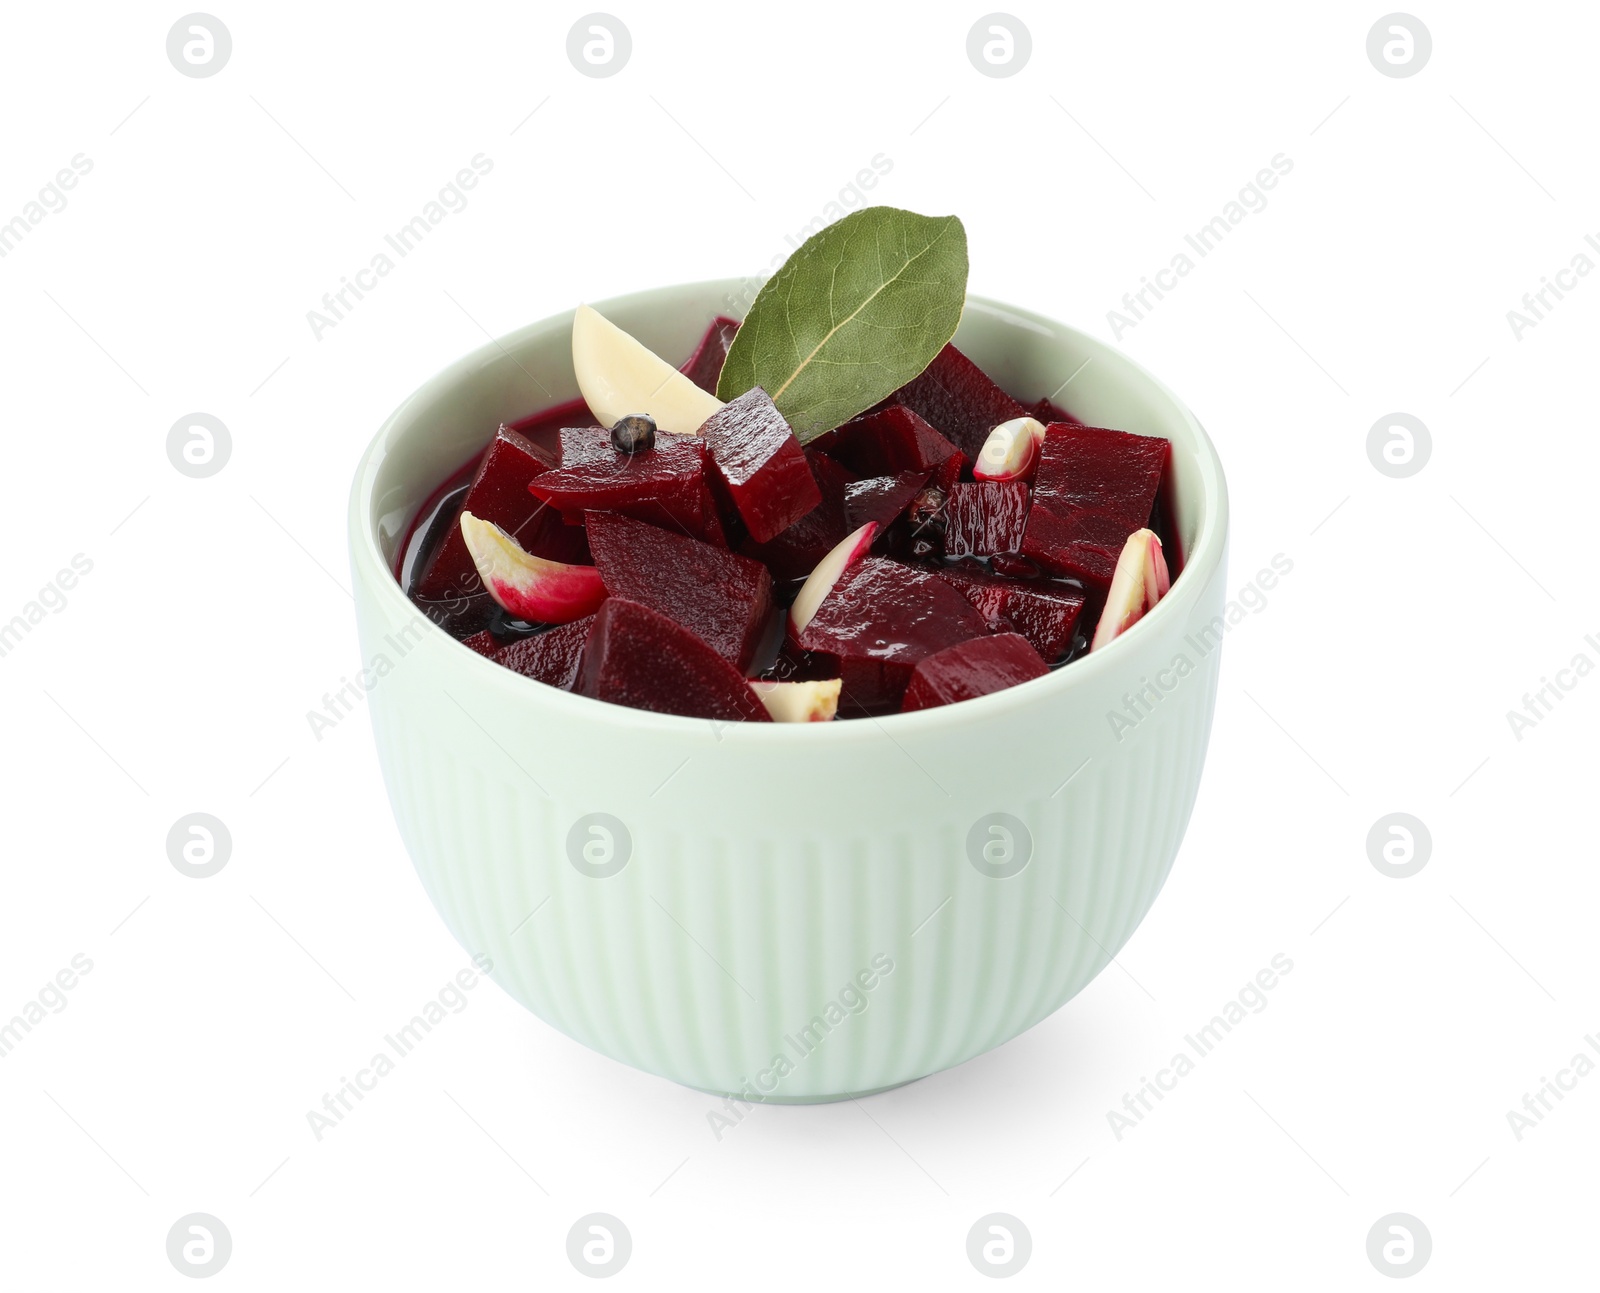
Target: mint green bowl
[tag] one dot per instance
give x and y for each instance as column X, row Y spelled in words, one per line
column 791, row 913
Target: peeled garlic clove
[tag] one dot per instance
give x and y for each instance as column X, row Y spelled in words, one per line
column 619, row 376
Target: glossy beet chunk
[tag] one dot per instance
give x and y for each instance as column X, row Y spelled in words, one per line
column 637, row 657
column 890, row 440
column 1094, row 487
column 584, row 446
column 544, row 428
column 879, row 620
column 755, row 453
column 499, row 494
column 956, row 396
column 666, row 486
column 973, row 668
column 1048, row 411
column 551, row 658
column 882, row 499
column 794, row 553
column 983, row 518
column 1046, row 614
column 483, row 642
column 705, row 365
column 721, row 597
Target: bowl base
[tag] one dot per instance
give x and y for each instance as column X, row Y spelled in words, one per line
column 826, row 1098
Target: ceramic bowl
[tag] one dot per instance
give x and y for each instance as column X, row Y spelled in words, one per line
column 789, row 912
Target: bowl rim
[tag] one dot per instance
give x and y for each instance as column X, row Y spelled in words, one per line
column 1201, row 562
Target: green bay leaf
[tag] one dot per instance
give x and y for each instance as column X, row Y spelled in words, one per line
column 854, row 314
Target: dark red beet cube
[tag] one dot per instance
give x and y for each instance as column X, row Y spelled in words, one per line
column 705, row 365
column 972, row 668
column 985, row 517
column 795, row 552
column 879, row 621
column 721, row 597
column 881, row 499
column 579, row 446
column 544, row 429
column 666, row 486
column 1094, row 487
column 890, row 440
column 482, row 642
column 551, row 657
column 499, row 493
column 1046, row 614
column 759, row 460
column 1048, row 411
column 1092, row 467
column 637, row 657
column 956, row 396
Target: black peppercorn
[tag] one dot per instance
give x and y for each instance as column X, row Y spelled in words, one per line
column 635, row 433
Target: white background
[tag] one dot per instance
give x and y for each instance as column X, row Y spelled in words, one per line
column 1376, row 679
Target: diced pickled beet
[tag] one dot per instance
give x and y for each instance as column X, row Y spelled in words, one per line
column 553, row 657
column 579, row 446
column 759, row 460
column 544, row 429
column 956, row 396
column 1093, row 488
column 1082, row 545
column 1015, row 564
column 882, row 619
column 637, row 657
column 1093, row 467
column 482, row 642
column 794, row 553
column 881, row 499
column 1048, row 411
column 705, row 365
column 1045, row 614
column 985, row 517
column 721, row 597
column 888, row 440
column 499, row 494
column 972, row 668
column 666, row 486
